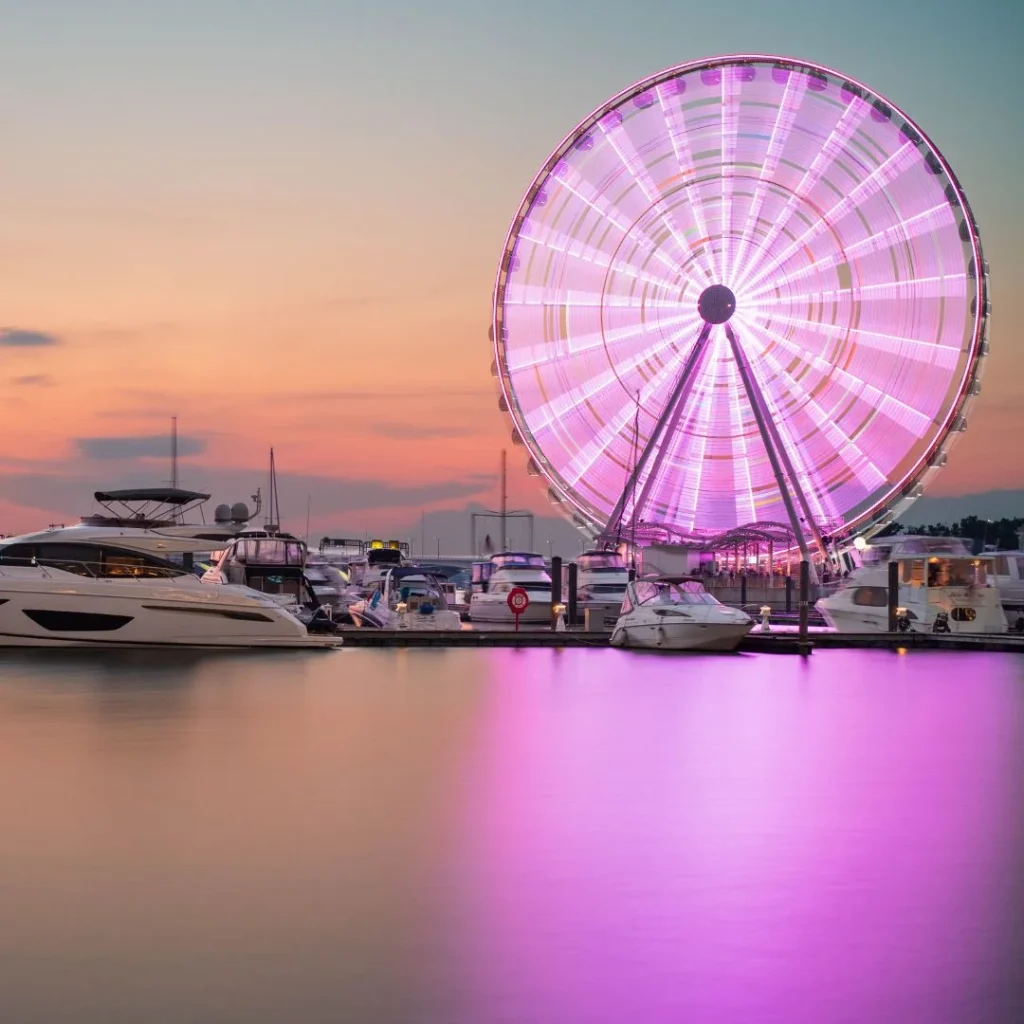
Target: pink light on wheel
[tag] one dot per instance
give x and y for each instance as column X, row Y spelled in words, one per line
column 771, row 256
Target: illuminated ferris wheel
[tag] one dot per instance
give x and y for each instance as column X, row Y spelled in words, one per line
column 745, row 290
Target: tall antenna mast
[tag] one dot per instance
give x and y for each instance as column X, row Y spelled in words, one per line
column 174, row 452
column 274, row 509
column 504, row 498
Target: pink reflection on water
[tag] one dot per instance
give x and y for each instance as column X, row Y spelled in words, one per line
column 743, row 839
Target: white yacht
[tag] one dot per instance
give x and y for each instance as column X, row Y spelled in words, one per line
column 601, row 579
column 677, row 614
column 940, row 593
column 406, row 598
column 494, row 580
column 124, row 579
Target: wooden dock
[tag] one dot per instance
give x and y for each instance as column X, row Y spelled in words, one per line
column 779, row 641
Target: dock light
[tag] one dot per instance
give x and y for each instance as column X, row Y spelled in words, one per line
column 860, row 543
column 766, row 610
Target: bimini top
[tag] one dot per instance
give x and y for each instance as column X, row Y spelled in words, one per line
column 145, row 506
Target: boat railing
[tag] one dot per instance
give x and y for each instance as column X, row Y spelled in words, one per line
column 95, row 570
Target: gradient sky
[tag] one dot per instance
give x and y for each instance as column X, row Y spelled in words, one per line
column 281, row 221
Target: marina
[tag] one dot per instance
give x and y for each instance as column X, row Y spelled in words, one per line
column 587, row 588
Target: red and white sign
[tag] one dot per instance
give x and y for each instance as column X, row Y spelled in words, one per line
column 518, row 601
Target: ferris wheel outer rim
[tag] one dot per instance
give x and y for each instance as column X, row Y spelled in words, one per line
column 899, row 496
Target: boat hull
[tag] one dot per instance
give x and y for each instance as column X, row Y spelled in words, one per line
column 681, row 636
column 499, row 611
column 45, row 607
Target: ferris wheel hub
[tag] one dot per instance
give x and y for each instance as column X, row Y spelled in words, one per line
column 716, row 304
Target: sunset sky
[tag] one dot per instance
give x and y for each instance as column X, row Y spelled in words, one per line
column 280, row 220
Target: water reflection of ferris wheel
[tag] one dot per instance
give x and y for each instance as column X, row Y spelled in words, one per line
column 746, row 291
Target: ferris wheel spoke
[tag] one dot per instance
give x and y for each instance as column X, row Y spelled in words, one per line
column 729, row 128
column 552, row 410
column 856, row 387
column 619, row 140
column 880, row 179
column 826, row 422
column 546, row 353
column 920, row 350
column 575, row 250
column 938, row 286
column 641, row 239
column 668, row 418
column 597, row 445
column 887, row 239
column 676, row 127
column 784, row 118
column 776, row 452
column 833, row 146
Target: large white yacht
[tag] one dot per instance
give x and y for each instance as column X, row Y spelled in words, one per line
column 951, row 592
column 677, row 614
column 495, row 579
column 125, row 579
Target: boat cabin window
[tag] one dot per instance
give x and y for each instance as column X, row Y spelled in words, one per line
column 956, row 572
column 871, row 597
column 268, row 551
column 91, row 560
column 1002, row 566
column 912, row 571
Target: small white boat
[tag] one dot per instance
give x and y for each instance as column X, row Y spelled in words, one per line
column 504, row 573
column 953, row 594
column 677, row 614
column 407, row 598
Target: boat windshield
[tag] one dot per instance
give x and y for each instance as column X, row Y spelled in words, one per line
column 601, row 561
column 661, row 593
column 509, row 559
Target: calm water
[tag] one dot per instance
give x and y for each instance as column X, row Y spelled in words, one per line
column 468, row 837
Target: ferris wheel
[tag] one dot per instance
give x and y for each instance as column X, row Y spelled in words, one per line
column 745, row 290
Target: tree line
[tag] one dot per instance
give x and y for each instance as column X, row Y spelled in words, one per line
column 998, row 533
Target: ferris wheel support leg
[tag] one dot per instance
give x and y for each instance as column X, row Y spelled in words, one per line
column 669, row 418
column 787, row 464
column 775, row 452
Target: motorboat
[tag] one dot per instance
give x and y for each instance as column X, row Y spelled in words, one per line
column 495, row 579
column 125, row 580
column 938, row 593
column 456, row 581
column 407, row 597
column 677, row 614
column 601, row 579
column 330, row 585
